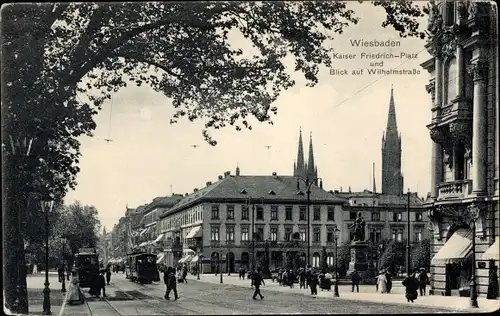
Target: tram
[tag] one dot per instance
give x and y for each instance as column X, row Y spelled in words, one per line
column 86, row 266
column 141, row 267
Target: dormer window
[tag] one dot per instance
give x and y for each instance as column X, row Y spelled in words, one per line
column 272, row 192
column 243, row 191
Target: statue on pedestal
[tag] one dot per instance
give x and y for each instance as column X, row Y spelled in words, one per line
column 359, row 228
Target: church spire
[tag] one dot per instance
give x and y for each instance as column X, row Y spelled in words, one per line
column 300, row 167
column 392, row 125
column 310, row 162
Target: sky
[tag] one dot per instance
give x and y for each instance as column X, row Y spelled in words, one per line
column 346, row 114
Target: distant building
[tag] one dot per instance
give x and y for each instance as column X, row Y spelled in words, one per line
column 465, row 148
column 218, row 219
column 302, row 169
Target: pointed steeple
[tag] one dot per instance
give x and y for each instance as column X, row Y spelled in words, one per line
column 300, row 167
column 392, row 125
column 374, row 185
column 310, row 161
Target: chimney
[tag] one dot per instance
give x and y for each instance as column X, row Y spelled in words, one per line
column 237, row 171
column 195, row 190
column 349, row 189
column 186, row 194
column 275, row 174
column 209, row 183
column 340, row 189
column 336, row 191
column 321, row 184
column 220, row 177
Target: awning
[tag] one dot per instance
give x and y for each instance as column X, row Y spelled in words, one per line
column 160, row 237
column 493, row 251
column 159, row 257
column 458, row 247
column 143, row 244
column 185, row 259
column 195, row 259
column 195, row 232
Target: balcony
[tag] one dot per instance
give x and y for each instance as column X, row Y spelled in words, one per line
column 454, row 190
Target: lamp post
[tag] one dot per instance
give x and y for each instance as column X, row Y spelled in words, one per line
column 474, row 214
column 199, row 259
column 308, row 192
column 408, row 235
column 336, row 234
column 220, row 267
column 248, row 202
column 63, row 287
column 46, row 208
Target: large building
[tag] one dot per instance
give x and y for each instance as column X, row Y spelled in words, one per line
column 217, row 221
column 465, row 149
column 302, row 169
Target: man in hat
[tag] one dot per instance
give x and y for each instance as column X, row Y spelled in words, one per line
column 423, row 279
column 355, row 278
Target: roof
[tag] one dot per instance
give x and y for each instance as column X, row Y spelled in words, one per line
column 383, row 199
column 271, row 188
column 166, row 201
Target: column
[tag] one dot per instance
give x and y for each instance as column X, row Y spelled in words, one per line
column 460, row 72
column 479, row 72
column 437, row 159
column 438, row 79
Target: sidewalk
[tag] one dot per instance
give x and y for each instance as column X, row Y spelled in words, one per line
column 367, row 293
column 35, row 285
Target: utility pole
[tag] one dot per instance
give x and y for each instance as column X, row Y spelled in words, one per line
column 408, row 235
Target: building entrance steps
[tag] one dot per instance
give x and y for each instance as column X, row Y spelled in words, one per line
column 367, row 293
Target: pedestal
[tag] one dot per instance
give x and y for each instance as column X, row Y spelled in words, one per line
column 359, row 261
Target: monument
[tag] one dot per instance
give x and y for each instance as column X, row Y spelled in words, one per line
column 359, row 252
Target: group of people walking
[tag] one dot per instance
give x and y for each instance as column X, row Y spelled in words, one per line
column 171, row 277
column 416, row 281
column 309, row 278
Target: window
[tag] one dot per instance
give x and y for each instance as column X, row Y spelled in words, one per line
column 329, row 236
column 418, row 216
column 451, row 80
column 288, row 213
column 302, row 233
column 378, row 236
column 214, row 234
column 352, row 215
column 399, row 237
column 330, row 259
column 274, row 234
column 418, row 236
column 274, row 213
column 244, row 212
column 260, row 213
column 375, row 216
column 259, row 234
column 230, row 233
column 288, row 233
column 316, row 260
column 450, row 12
column 302, row 213
column 244, row 233
column 230, row 212
column 316, row 213
column 393, row 234
column 331, row 213
column 316, row 234
column 215, row 211
column 397, row 217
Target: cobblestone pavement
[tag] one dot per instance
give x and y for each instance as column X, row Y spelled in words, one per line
column 128, row 298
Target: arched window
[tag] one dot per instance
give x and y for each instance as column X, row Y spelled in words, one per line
column 330, row 259
column 451, row 80
column 316, row 260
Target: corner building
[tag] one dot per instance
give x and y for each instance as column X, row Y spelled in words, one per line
column 217, row 221
column 465, row 148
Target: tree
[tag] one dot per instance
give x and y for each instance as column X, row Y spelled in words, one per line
column 393, row 256
column 324, row 262
column 420, row 255
column 343, row 257
column 53, row 52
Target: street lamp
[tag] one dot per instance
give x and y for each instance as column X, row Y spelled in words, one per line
column 46, row 208
column 336, row 234
column 199, row 259
column 308, row 185
column 408, row 235
column 220, row 267
column 474, row 214
column 63, row 288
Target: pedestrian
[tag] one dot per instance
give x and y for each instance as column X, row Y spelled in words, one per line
column 313, row 283
column 355, row 278
column 184, row 274
column 411, row 285
column 388, row 276
column 291, row 278
column 328, row 280
column 308, row 276
column 302, row 278
column 285, row 278
column 257, row 281
column 170, row 281
column 108, row 274
column 382, row 282
column 240, row 270
column 101, row 284
column 35, row 269
column 492, row 293
column 243, row 272
column 423, row 279
column 75, row 295
column 60, row 273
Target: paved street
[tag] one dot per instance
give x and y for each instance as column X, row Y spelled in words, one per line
column 128, row 298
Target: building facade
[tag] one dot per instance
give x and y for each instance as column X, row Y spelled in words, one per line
column 214, row 224
column 463, row 203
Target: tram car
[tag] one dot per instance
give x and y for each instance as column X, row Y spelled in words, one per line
column 141, row 267
column 86, row 266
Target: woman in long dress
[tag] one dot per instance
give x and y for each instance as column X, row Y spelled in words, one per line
column 75, row 295
column 382, row 282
